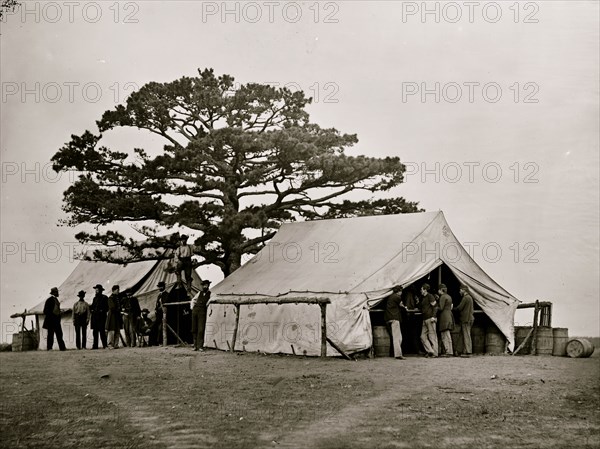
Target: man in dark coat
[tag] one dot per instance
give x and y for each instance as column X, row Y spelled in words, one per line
column 52, row 320
column 131, row 313
column 466, row 318
column 429, row 309
column 446, row 322
column 393, row 318
column 198, row 305
column 156, row 329
column 99, row 309
column 113, row 319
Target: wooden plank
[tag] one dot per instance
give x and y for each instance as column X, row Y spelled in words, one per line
column 234, row 301
column 338, row 349
column 531, row 305
column 176, row 335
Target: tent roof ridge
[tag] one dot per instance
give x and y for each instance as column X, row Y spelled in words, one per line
column 400, row 252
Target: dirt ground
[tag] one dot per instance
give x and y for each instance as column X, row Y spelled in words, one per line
column 176, row 398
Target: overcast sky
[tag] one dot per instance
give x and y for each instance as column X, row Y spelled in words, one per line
column 493, row 107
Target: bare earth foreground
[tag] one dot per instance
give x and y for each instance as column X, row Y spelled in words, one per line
column 176, row 398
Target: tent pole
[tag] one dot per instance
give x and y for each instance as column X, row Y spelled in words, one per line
column 323, row 329
column 235, row 328
column 164, row 322
column 23, row 330
column 37, row 330
column 536, row 312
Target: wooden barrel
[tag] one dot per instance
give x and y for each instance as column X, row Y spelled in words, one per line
column 24, row 342
column 521, row 333
column 478, row 339
column 560, row 339
column 545, row 340
column 457, row 340
column 579, row 347
column 495, row 343
column 381, row 341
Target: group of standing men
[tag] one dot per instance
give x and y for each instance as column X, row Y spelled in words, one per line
column 437, row 315
column 107, row 315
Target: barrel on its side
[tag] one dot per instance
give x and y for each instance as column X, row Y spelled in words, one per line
column 478, row 339
column 24, row 342
column 521, row 333
column 381, row 341
column 561, row 338
column 579, row 347
column 495, row 343
column 545, row 340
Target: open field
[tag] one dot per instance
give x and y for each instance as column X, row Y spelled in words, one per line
column 176, row 398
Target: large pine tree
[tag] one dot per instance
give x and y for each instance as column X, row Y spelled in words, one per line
column 236, row 163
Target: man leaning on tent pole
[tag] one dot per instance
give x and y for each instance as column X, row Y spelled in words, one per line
column 199, row 304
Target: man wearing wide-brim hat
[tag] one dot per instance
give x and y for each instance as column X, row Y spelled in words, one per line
column 81, row 319
column 52, row 320
column 198, row 305
column 99, row 310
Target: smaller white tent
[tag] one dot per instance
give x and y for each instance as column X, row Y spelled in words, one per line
column 141, row 277
column 352, row 261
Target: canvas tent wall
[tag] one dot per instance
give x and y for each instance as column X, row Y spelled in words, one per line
column 142, row 277
column 354, row 262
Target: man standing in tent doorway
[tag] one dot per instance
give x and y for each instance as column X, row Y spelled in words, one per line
column 466, row 317
column 52, row 320
column 99, row 310
column 393, row 318
column 446, row 323
column 198, row 305
column 183, row 261
column 429, row 310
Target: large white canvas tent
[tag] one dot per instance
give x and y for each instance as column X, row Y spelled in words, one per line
column 141, row 277
column 352, row 261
